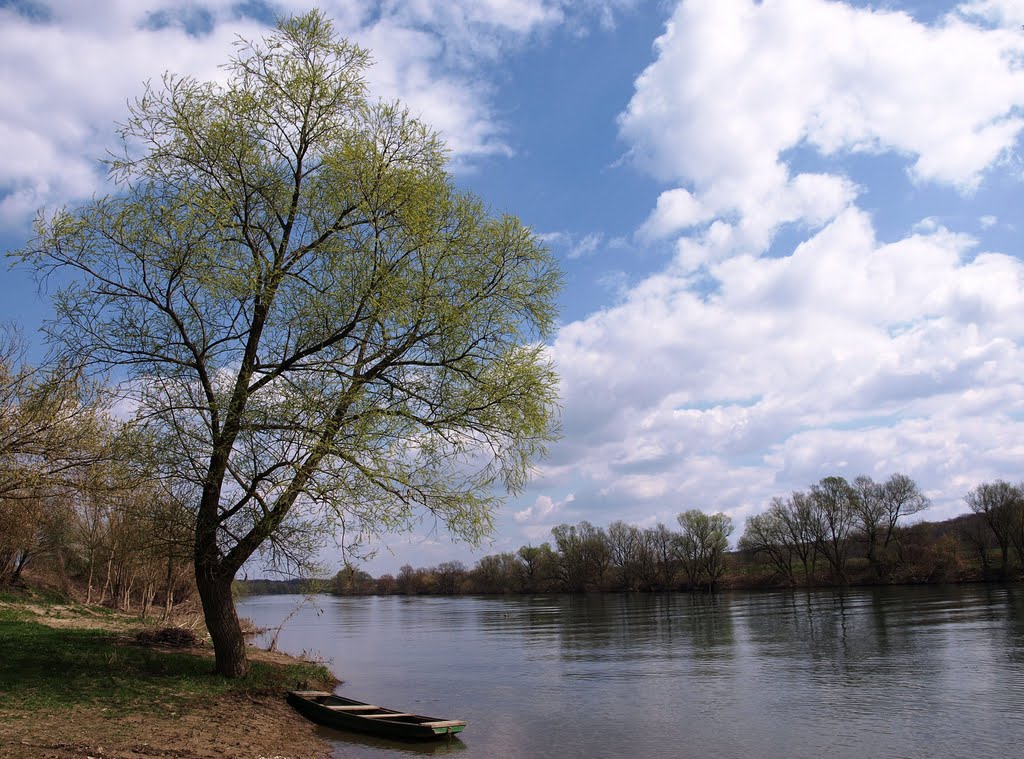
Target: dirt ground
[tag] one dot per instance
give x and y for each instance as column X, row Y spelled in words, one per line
column 258, row 728
column 77, row 616
column 262, row 727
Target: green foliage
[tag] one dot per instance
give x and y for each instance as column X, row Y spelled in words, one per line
column 701, row 546
column 351, row 581
column 321, row 332
column 51, row 428
column 583, row 556
column 853, row 530
column 48, row 667
column 311, row 310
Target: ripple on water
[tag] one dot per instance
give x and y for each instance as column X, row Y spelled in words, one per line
column 889, row 672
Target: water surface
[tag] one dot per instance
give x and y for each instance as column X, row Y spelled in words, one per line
column 889, row 672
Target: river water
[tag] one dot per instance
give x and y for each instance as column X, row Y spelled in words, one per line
column 908, row 672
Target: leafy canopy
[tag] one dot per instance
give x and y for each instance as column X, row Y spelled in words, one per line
column 318, row 329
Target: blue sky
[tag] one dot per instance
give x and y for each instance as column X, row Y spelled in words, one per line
column 789, row 228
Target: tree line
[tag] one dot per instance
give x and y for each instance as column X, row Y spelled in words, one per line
column 77, row 498
column 836, row 532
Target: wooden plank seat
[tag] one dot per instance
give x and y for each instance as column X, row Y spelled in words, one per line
column 386, row 716
column 360, row 708
column 349, row 714
column 444, row 723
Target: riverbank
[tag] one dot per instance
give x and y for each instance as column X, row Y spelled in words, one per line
column 76, row 682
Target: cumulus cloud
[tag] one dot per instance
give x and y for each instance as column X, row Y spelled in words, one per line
column 742, row 371
column 736, row 83
column 745, row 367
column 1008, row 13
column 542, row 508
column 676, row 210
column 78, row 63
column 797, row 367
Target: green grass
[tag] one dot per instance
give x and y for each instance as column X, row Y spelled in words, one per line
column 43, row 667
column 32, row 595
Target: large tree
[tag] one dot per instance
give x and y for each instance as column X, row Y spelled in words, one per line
column 701, row 546
column 1001, row 505
column 583, row 556
column 879, row 507
column 833, row 514
column 319, row 330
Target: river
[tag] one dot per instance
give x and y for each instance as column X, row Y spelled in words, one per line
column 908, row 672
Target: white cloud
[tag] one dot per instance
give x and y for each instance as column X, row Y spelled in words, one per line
column 848, row 356
column 575, row 246
column 588, row 244
column 542, row 508
column 78, row 63
column 741, row 370
column 676, row 210
column 1009, row 13
column 731, row 376
column 736, row 84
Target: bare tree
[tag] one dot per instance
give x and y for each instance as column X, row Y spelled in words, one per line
column 901, row 498
column 499, row 573
column 450, row 575
column 625, row 543
column 870, row 510
column 767, row 534
column 662, row 545
column 797, row 515
column 834, row 510
column 999, row 504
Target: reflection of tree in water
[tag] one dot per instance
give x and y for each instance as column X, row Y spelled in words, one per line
column 644, row 628
column 348, row 743
column 707, row 619
column 868, row 638
column 531, row 617
column 828, row 630
column 1014, row 616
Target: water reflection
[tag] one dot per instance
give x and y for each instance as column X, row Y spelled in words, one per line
column 351, row 744
column 887, row 672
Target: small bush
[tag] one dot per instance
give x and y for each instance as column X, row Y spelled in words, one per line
column 172, row 637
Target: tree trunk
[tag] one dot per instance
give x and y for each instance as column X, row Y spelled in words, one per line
column 88, row 593
column 20, row 565
column 168, row 604
column 222, row 622
column 106, row 581
column 169, row 585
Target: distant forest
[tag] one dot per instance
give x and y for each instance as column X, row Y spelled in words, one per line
column 836, row 533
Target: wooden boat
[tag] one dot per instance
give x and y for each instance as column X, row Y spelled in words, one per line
column 349, row 714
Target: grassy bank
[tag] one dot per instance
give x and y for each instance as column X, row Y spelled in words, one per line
column 74, row 681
